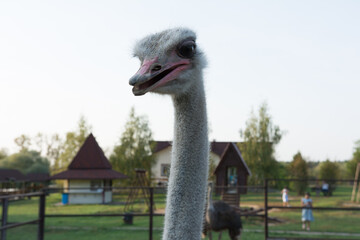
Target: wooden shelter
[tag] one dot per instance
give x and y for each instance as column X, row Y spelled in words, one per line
column 11, row 181
column 11, row 175
column 89, row 176
column 231, row 172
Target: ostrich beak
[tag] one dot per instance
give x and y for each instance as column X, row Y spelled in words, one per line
column 154, row 74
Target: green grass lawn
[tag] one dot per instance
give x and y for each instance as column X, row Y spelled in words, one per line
column 109, row 228
column 325, row 221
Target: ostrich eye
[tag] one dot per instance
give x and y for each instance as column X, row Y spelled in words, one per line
column 187, row 49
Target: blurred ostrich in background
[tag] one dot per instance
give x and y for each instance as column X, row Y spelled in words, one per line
column 221, row 216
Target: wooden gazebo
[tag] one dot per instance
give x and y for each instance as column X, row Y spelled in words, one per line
column 89, row 176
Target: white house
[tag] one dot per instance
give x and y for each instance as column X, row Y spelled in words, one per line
column 162, row 152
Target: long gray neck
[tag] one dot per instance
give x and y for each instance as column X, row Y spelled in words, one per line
column 189, row 167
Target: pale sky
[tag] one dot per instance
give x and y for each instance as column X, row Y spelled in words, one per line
column 63, row 59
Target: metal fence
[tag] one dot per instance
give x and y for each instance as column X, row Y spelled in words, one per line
column 39, row 221
column 149, row 201
column 126, row 192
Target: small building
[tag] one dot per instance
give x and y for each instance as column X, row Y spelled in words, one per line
column 8, row 175
column 232, row 170
column 88, row 179
column 161, row 169
column 11, row 181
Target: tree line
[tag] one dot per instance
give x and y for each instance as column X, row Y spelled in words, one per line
column 52, row 154
column 45, row 154
column 260, row 138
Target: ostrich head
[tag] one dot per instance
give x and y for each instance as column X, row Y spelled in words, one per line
column 171, row 63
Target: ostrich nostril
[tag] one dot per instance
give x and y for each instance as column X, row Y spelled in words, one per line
column 156, row 68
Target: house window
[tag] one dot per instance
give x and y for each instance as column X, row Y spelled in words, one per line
column 95, row 185
column 165, row 170
column 107, row 184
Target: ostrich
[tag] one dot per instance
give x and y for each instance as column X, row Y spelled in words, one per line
column 221, row 216
column 172, row 64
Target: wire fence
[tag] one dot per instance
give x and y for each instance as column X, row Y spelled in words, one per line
column 311, row 235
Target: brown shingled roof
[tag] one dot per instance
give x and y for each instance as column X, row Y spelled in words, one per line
column 38, row 177
column 90, row 156
column 232, row 146
column 11, row 175
column 89, row 163
column 160, row 145
column 216, row 147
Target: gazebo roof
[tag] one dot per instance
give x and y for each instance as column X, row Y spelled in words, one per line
column 89, row 163
column 90, row 156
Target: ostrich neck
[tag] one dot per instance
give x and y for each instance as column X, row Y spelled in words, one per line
column 189, row 167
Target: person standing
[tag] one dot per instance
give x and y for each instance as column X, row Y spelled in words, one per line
column 285, row 197
column 306, row 215
column 325, row 188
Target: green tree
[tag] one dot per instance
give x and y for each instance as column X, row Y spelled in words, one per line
column 352, row 164
column 298, row 169
column 50, row 147
column 26, row 162
column 23, row 142
column 260, row 137
column 54, row 147
column 135, row 148
column 329, row 170
column 3, row 154
column 313, row 169
column 74, row 140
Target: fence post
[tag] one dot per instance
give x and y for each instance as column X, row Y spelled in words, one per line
column 151, row 213
column 41, row 216
column 355, row 182
column 5, row 205
column 266, row 209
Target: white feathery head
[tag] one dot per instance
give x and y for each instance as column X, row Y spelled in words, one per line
column 170, row 62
